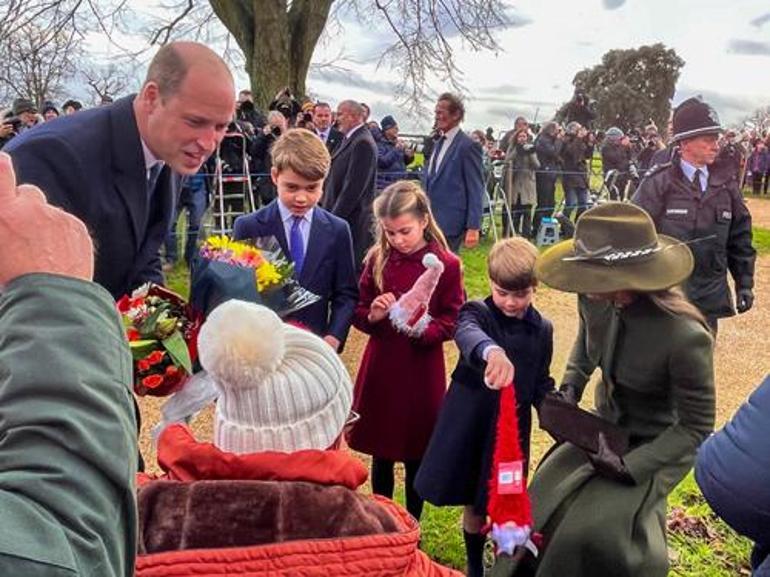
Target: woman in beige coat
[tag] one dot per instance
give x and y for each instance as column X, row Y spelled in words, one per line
column 520, row 166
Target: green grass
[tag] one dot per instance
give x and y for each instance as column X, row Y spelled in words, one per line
column 761, row 240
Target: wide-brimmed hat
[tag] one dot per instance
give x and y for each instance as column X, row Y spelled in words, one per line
column 692, row 118
column 615, row 247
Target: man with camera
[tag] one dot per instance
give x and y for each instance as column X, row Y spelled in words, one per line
column 23, row 117
column 260, row 154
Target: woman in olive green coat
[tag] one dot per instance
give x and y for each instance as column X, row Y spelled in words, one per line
column 603, row 513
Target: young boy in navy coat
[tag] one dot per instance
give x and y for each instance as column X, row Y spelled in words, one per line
column 318, row 243
column 501, row 340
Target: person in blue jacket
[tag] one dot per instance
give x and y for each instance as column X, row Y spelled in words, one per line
column 733, row 472
column 393, row 155
column 503, row 339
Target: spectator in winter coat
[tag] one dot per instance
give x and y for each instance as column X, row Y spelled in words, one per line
column 67, row 432
column 521, row 165
column 548, row 147
column 575, row 151
column 757, row 166
column 274, row 483
column 732, row 471
column 616, row 155
column 393, row 155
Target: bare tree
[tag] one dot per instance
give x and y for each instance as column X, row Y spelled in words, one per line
column 108, row 81
column 277, row 38
column 35, row 62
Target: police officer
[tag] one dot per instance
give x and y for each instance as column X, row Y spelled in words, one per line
column 697, row 200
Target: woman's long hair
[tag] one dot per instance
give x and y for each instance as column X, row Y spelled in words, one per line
column 401, row 197
column 674, row 302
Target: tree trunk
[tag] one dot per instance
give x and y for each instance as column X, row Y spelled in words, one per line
column 277, row 43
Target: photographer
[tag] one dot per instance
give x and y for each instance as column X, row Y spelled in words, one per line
column 580, row 110
column 285, row 103
column 652, row 144
column 519, row 183
column 260, row 154
column 23, row 117
column 548, row 147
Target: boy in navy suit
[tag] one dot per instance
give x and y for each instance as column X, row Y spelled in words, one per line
column 318, row 243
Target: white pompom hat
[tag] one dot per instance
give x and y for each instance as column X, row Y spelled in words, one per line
column 281, row 388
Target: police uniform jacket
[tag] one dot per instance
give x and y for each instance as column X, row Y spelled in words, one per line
column 717, row 222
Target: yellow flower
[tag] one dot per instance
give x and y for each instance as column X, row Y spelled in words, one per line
column 267, row 276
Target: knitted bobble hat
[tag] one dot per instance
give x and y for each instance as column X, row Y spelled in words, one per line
column 410, row 313
column 281, row 388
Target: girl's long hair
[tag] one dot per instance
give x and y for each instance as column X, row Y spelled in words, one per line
column 674, row 302
column 401, row 197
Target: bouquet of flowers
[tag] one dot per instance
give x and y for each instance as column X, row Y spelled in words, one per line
column 256, row 270
column 162, row 332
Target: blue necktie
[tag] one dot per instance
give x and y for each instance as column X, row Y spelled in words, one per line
column 297, row 246
column 436, row 152
column 152, row 179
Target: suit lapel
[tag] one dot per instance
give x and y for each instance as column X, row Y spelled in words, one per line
column 320, row 232
column 275, row 226
column 129, row 168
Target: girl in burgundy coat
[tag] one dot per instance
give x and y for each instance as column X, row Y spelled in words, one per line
column 401, row 381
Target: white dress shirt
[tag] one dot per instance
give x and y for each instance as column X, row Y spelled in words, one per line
column 150, row 160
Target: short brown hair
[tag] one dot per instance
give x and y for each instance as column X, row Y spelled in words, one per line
column 511, row 264
column 168, row 70
column 303, row 152
column 455, row 104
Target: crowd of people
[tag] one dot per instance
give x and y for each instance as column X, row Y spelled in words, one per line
column 277, row 491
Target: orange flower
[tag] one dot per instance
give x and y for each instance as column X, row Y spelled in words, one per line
column 152, row 381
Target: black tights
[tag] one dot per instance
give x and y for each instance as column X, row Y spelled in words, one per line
column 382, row 483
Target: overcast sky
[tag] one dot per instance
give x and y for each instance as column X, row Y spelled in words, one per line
column 725, row 45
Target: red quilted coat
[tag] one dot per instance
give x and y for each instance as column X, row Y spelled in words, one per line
column 283, row 514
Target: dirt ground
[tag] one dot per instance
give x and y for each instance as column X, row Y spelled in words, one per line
column 741, row 359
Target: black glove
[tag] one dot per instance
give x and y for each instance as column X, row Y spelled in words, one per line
column 609, row 465
column 568, row 394
column 744, row 299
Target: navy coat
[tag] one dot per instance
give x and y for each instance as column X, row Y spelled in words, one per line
column 733, row 468
column 328, row 270
column 456, row 190
column 458, row 461
column 91, row 164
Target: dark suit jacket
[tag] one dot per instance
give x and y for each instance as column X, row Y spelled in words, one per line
column 350, row 185
column 327, row 271
column 91, row 164
column 334, row 139
column 456, row 190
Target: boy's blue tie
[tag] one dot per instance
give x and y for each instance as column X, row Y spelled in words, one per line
column 296, row 246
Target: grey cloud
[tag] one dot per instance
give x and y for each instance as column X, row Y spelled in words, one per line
column 748, row 47
column 731, row 108
column 759, row 21
column 516, row 19
column 511, row 102
column 503, row 89
column 613, row 4
column 354, row 79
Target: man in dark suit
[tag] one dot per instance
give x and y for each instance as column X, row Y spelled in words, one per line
column 349, row 188
column 454, row 177
column 112, row 166
column 317, row 242
column 322, row 121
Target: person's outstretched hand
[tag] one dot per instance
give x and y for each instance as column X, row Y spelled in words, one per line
column 38, row 237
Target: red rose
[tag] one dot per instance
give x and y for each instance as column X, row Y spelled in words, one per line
column 143, row 365
column 152, row 381
column 124, row 304
column 133, row 334
column 155, row 357
column 171, row 370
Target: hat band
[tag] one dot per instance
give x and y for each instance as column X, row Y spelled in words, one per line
column 609, row 255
